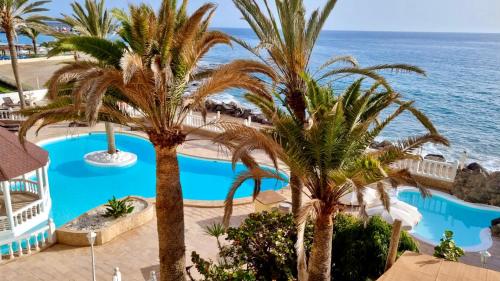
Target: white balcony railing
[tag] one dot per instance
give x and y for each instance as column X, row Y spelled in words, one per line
column 28, row 242
column 7, row 114
column 444, row 171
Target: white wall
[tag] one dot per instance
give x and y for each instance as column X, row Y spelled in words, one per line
column 37, row 95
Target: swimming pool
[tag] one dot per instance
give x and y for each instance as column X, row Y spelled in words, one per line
column 469, row 222
column 77, row 187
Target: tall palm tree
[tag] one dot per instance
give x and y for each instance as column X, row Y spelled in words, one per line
column 150, row 72
column 286, row 44
column 330, row 156
column 16, row 14
column 93, row 20
column 32, row 33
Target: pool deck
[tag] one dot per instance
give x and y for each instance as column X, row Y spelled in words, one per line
column 135, row 252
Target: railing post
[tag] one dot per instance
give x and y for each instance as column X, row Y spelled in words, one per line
column 19, row 248
column 8, row 203
column 52, row 230
column 40, row 189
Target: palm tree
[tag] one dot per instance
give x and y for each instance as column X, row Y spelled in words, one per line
column 16, row 14
column 329, row 156
column 150, row 72
column 32, row 33
column 286, row 44
column 93, row 20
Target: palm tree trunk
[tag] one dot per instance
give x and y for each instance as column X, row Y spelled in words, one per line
column 296, row 186
column 393, row 246
column 35, row 47
column 13, row 60
column 320, row 264
column 110, row 135
column 170, row 215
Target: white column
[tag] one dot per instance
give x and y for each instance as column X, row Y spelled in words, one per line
column 8, row 203
column 46, row 178
column 39, row 180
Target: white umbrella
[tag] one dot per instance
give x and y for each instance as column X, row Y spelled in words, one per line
column 398, row 210
column 370, row 195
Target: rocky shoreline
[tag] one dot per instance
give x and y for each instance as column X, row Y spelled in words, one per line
column 235, row 110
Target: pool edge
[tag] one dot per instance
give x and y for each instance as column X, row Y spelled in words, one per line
column 484, row 235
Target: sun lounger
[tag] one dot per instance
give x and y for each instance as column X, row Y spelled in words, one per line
column 9, row 103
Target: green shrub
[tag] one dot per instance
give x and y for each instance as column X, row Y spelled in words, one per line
column 118, row 208
column 264, row 245
column 359, row 252
column 263, row 248
column 220, row 271
column 447, row 249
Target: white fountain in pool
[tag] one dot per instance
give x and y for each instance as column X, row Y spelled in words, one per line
column 102, row 158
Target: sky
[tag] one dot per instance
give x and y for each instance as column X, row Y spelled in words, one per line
column 367, row 15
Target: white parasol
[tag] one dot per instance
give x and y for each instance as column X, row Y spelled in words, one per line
column 398, row 210
column 370, row 196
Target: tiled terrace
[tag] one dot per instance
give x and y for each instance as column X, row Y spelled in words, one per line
column 135, row 252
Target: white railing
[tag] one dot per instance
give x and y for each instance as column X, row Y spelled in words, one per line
column 30, row 215
column 197, row 121
column 4, row 224
column 191, row 120
column 7, row 114
column 24, row 186
column 28, row 212
column 28, row 242
column 444, row 171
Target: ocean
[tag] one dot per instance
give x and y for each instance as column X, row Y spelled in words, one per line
column 460, row 94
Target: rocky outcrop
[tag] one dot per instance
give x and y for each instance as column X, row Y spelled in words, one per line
column 474, row 184
column 380, row 144
column 435, row 157
column 235, row 110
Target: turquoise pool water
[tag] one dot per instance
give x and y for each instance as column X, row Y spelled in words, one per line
column 440, row 213
column 77, row 187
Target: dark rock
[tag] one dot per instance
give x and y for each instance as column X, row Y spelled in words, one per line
column 476, row 167
column 380, row 144
column 435, row 157
column 76, row 124
column 475, row 184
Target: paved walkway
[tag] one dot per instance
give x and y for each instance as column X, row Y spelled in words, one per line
column 35, row 72
column 135, row 252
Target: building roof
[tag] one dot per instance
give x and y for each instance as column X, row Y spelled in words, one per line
column 15, row 160
column 418, row 267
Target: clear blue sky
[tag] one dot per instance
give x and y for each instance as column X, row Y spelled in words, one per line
column 382, row 15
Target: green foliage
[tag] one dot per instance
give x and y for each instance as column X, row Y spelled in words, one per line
column 264, row 246
column 118, row 208
column 103, row 50
column 92, row 19
column 221, row 272
column 447, row 249
column 359, row 252
column 266, row 243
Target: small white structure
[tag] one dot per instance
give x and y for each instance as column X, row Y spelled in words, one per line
column 102, row 158
column 398, row 210
column 370, row 196
column 25, row 201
